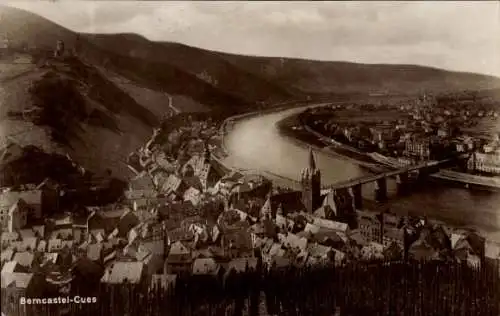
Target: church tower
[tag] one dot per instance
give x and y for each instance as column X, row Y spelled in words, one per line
column 310, row 179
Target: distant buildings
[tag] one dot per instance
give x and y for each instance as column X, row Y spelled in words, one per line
column 418, row 149
column 485, row 162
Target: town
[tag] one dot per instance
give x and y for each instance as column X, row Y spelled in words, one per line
column 427, row 128
column 185, row 213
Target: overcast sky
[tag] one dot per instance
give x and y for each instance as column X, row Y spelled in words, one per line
column 461, row 36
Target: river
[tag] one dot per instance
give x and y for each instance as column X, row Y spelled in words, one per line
column 255, row 143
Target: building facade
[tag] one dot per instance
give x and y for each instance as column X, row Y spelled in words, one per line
column 418, row 149
column 485, row 162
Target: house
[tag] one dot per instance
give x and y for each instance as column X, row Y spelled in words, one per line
column 491, row 253
column 54, row 245
column 6, row 255
column 372, row 251
column 63, row 233
column 393, row 251
column 32, row 199
column 50, row 258
column 338, row 227
column 329, row 237
column 26, row 233
column 206, row 266
column 24, row 258
column 179, row 260
column 8, row 237
column 180, row 234
column 272, row 250
column 369, row 225
column 237, row 242
column 283, row 223
column 174, row 185
column 240, row 265
column 318, row 253
column 165, row 282
column 120, row 272
column 39, row 230
column 26, row 244
column 15, row 286
column 13, row 266
column 293, row 242
column 422, row 250
column 86, row 270
column 193, row 195
column 142, row 183
column 463, row 250
column 393, row 235
column 42, row 246
column 17, row 216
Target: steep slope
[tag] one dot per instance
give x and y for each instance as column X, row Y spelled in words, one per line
column 249, row 77
column 165, row 78
column 343, row 77
column 204, row 65
column 70, row 107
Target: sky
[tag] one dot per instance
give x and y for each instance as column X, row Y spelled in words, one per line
column 463, row 36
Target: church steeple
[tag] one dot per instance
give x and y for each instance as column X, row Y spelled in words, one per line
column 311, row 184
column 312, row 163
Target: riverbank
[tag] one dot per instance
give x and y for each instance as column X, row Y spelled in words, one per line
column 292, row 128
column 222, row 152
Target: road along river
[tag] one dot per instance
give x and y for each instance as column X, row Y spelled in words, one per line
column 255, row 143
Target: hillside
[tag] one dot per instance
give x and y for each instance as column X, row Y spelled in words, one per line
column 201, row 76
column 70, row 107
column 247, row 75
column 344, row 77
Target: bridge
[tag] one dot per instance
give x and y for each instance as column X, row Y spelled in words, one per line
column 402, row 174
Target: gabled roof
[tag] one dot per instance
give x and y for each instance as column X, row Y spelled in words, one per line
column 142, row 182
column 333, row 225
column 178, row 248
column 16, row 279
column 455, row 238
column 492, row 250
column 172, row 184
column 241, row 264
column 31, row 197
column 317, row 250
column 293, row 241
column 9, row 267
column 120, row 272
column 24, row 258
column 9, row 236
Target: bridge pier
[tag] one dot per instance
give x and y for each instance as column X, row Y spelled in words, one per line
column 423, row 173
column 402, row 183
column 381, row 190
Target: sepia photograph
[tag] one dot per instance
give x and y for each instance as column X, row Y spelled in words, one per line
column 249, row 158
